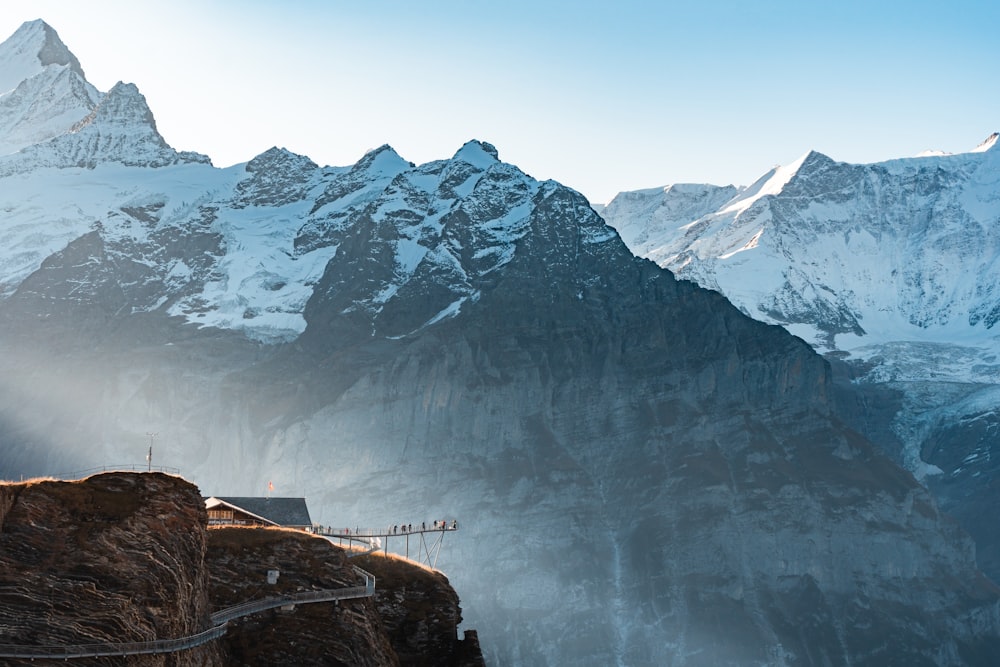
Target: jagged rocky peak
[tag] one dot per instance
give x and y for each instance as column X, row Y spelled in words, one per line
column 121, row 129
column 280, row 158
column 124, row 107
column 50, row 113
column 276, row 177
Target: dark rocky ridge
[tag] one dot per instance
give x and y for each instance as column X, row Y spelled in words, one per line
column 127, row 557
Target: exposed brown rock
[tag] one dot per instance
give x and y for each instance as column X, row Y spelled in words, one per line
column 112, row 558
column 345, row 633
column 127, row 557
column 421, row 613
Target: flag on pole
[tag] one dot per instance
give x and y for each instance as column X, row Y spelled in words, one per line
column 270, row 486
column 149, row 454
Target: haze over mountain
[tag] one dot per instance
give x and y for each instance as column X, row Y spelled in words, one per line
column 892, row 267
column 642, row 474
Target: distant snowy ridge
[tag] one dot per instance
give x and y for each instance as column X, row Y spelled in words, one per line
column 893, row 266
column 850, row 257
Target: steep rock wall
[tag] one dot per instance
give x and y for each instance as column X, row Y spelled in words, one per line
column 113, row 558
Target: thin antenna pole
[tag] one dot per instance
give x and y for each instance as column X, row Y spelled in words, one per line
column 149, row 455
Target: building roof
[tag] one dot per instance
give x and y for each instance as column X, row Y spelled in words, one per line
column 279, row 511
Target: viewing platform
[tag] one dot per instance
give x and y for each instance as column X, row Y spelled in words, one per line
column 428, row 538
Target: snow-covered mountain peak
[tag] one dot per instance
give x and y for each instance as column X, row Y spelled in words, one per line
column 124, row 107
column 54, row 52
column 775, row 180
column 50, row 116
column 277, row 177
column 120, row 129
column 383, row 160
column 478, row 154
column 848, row 257
column 279, row 158
column 643, row 217
column 988, row 144
column 43, row 92
column 29, row 50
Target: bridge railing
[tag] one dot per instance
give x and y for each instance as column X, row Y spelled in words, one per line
column 121, row 467
column 219, row 619
column 102, row 649
column 254, row 606
column 352, row 533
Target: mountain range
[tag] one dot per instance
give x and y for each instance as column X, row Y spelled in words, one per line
column 642, row 473
column 891, row 270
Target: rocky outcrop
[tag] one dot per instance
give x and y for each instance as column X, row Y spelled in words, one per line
column 112, row 558
column 345, row 633
column 420, row 612
column 412, row 620
column 127, row 557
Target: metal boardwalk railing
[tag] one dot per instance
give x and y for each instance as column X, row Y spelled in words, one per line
column 254, row 606
column 220, row 620
column 118, row 467
column 104, row 649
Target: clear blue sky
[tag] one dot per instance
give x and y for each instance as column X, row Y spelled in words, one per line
column 602, row 97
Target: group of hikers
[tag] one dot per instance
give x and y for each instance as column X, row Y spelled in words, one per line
column 398, row 529
column 438, row 525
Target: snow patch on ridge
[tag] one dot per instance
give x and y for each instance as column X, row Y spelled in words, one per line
column 262, row 285
column 770, row 184
column 988, row 144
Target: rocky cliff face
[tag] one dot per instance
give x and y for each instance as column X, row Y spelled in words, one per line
column 113, row 558
column 126, row 557
column 412, row 620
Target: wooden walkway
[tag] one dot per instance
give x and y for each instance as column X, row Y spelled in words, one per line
column 220, row 620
